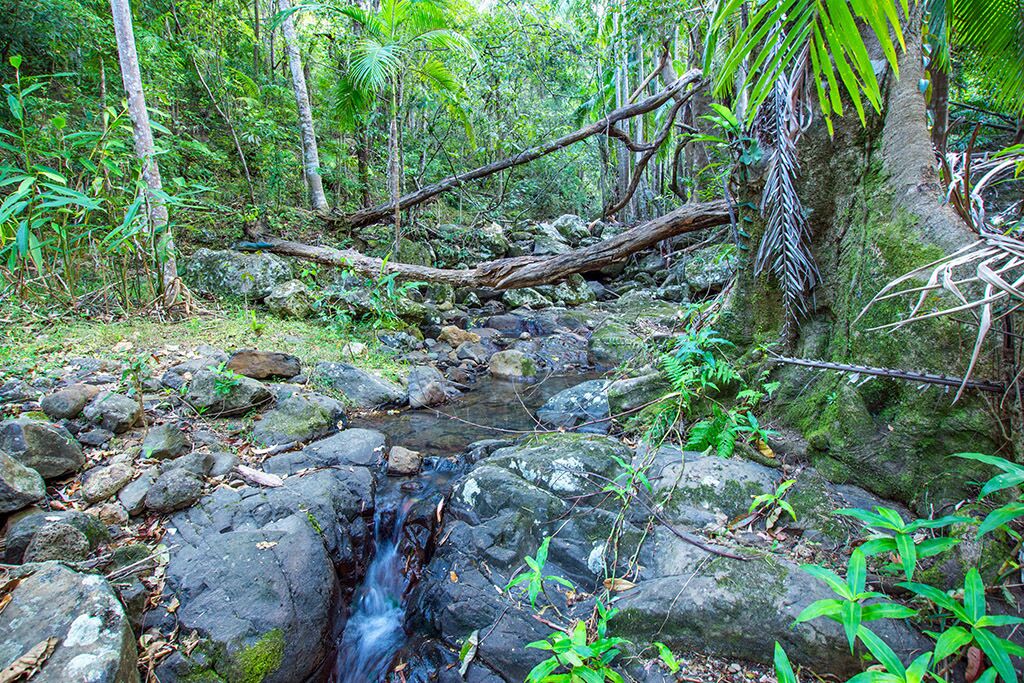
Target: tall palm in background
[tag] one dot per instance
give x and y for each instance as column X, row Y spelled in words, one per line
column 404, row 42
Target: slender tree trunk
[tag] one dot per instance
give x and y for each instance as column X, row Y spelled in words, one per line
column 939, row 106
column 256, row 37
column 310, row 155
column 394, row 165
column 159, row 230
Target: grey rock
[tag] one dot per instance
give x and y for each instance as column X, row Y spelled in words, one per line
column 512, row 364
column 264, row 364
column 291, row 299
column 133, row 495
column 114, row 412
column 181, row 374
column 222, row 463
column 351, row 447
column 101, row 483
column 198, row 463
column 403, row 462
column 361, row 388
column 427, row 387
column 165, row 441
column 219, row 395
column 20, row 486
column 47, row 448
column 582, row 404
column 526, row 297
column 472, row 351
column 23, row 529
column 95, row 638
column 233, row 274
column 547, row 241
column 711, row 268
column 632, row 392
column 571, row 227
column 299, row 417
column 57, row 541
column 67, row 404
column 97, row 436
column 174, row 490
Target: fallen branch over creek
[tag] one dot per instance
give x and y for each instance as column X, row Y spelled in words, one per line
column 517, row 271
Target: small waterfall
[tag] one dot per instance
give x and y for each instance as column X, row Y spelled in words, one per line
column 374, row 632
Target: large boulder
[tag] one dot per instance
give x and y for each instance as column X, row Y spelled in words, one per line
column 427, row 387
column 299, row 417
column 254, row 574
column 710, row 268
column 264, row 364
column 584, row 406
column 166, row 441
column 94, row 640
column 351, row 447
column 361, row 388
column 20, row 486
column 233, row 274
column 548, row 241
column 23, row 530
column 68, row 403
column 290, row 299
column 220, row 393
column 113, row 412
column 47, row 448
column 571, row 227
column 512, row 364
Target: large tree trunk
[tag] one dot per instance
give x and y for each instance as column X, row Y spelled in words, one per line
column 522, row 271
column 142, row 133
column 606, row 126
column 310, row 155
column 876, row 213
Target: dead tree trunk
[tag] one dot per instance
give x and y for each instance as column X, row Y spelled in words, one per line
column 522, row 271
column 142, row 134
column 310, row 155
column 605, row 126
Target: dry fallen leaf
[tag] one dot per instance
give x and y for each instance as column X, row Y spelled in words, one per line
column 453, row 576
column 616, row 585
column 765, row 449
column 26, row 665
column 264, row 545
column 173, row 606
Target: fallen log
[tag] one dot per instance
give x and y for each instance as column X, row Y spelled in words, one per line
column 606, row 126
column 518, row 271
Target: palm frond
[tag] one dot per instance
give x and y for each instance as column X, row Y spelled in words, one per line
column 992, row 33
column 373, row 64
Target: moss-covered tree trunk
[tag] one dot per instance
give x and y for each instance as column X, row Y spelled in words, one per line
column 876, row 213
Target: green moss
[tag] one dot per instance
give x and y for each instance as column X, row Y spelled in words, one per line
column 256, row 662
column 314, row 523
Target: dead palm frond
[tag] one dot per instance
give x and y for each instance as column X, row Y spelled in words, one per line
column 985, row 278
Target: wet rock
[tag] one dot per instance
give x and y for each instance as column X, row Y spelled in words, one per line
column 95, row 640
column 23, row 529
column 299, row 417
column 233, row 274
column 67, row 404
column 217, row 393
column 512, row 365
column 264, row 364
column 632, row 392
column 453, row 335
column 403, row 462
column 472, row 351
column 582, row 404
column 255, row 575
column 291, row 299
column 351, row 447
column 133, row 495
column 165, row 441
column 47, row 448
column 428, row 387
column 114, row 412
column 20, row 486
column 101, row 483
column 362, row 388
column 174, row 490
column 613, row 343
column 57, row 541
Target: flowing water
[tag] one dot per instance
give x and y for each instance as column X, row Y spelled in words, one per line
column 375, row 631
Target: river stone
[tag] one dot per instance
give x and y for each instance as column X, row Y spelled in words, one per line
column 133, row 495
column 20, row 486
column 403, row 462
column 526, row 297
column 583, row 403
column 22, row 529
column 114, row 412
column 290, row 299
column 100, row 483
column 173, row 490
column 512, row 364
column 427, row 387
column 613, row 343
column 198, row 463
column 95, row 639
column 67, row 404
column 472, row 351
column 165, row 441
column 361, row 388
column 299, row 417
column 181, row 374
column 233, row 274
column 415, row 253
column 454, row 335
column 47, row 448
column 57, row 541
column 264, row 364
column 631, row 393
column 237, row 394
column 711, row 268
column 547, row 241
column 571, row 227
column 255, row 575
column 351, row 447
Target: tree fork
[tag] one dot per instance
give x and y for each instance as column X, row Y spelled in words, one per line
column 518, row 271
column 605, row 126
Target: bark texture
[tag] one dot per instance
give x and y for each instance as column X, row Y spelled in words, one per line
column 523, row 271
column 142, row 134
column 310, row 154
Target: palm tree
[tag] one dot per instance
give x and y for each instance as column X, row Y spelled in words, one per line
column 403, row 41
